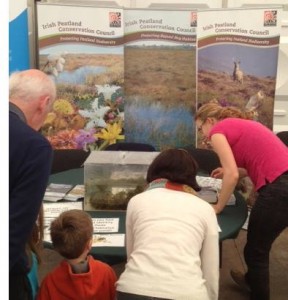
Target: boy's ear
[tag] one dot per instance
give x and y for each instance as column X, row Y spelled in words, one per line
column 89, row 244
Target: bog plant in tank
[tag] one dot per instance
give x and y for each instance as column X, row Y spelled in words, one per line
column 112, row 178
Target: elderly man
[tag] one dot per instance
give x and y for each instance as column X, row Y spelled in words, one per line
column 31, row 95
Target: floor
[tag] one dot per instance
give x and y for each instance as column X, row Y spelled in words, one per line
column 232, row 258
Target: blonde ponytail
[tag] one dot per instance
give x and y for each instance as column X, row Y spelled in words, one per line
column 214, row 110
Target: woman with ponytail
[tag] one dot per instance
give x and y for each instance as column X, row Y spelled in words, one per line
column 248, row 148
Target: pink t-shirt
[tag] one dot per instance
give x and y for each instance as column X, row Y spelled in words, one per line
column 255, row 148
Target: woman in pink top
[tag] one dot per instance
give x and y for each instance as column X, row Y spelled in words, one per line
column 248, row 148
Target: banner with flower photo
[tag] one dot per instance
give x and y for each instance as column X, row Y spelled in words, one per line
column 160, row 77
column 237, row 59
column 81, row 48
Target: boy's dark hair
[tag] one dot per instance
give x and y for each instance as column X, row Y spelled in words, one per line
column 175, row 165
column 70, row 232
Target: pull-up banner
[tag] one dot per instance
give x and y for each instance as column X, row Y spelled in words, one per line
column 237, row 59
column 160, row 78
column 81, row 47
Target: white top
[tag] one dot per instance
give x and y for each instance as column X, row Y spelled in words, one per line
column 172, row 247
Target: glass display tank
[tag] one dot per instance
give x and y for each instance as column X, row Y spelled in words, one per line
column 112, row 178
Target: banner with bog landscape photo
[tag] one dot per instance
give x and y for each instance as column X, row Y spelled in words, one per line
column 160, row 78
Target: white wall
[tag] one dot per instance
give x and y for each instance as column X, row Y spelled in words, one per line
column 281, row 96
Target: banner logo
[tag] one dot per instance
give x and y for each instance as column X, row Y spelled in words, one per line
column 270, row 18
column 193, row 21
column 114, row 19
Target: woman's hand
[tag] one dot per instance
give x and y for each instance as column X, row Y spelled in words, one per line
column 217, row 208
column 217, row 173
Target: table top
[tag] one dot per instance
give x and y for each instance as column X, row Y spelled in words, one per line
column 230, row 220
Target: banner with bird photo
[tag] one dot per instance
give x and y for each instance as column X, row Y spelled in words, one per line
column 237, row 56
column 160, row 77
column 81, row 48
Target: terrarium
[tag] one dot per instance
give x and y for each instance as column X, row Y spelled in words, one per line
column 112, row 178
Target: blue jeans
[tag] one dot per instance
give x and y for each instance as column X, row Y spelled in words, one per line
column 127, row 296
column 268, row 218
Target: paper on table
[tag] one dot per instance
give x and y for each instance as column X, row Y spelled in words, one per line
column 214, row 184
column 53, row 210
column 105, row 224
column 47, row 223
column 108, row 240
column 77, row 192
column 208, row 194
column 245, row 225
column 219, row 228
column 206, row 181
column 56, row 191
column 101, row 225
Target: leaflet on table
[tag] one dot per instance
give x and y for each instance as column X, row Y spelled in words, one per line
column 108, row 240
column 53, row 210
column 210, row 188
column 76, row 193
column 206, row 181
column 56, row 191
column 208, row 194
column 105, row 224
column 47, row 223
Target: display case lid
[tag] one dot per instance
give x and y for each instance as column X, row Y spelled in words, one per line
column 120, row 157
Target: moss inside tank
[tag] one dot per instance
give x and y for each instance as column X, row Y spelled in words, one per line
column 101, row 197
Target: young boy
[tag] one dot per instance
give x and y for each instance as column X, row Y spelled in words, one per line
column 79, row 276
